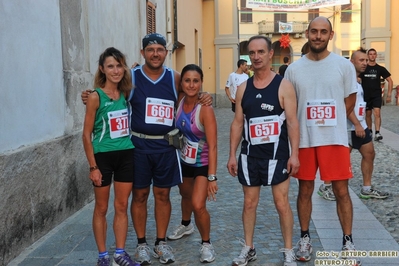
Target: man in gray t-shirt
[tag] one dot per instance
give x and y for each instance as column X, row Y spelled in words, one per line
column 325, row 84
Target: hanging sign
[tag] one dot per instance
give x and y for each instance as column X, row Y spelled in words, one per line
column 284, row 27
column 288, row 5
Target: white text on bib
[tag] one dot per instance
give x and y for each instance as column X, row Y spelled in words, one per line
column 118, row 123
column 264, row 129
column 189, row 151
column 321, row 113
column 159, row 111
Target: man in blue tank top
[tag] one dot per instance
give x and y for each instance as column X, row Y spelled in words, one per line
column 266, row 119
column 152, row 104
column 152, row 116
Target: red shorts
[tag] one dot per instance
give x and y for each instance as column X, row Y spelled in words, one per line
column 333, row 161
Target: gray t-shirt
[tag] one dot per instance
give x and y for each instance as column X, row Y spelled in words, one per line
column 321, row 88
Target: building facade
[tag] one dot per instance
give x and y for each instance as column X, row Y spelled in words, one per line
column 345, row 19
column 49, row 56
column 49, row 51
column 380, row 30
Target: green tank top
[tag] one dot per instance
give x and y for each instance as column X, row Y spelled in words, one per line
column 111, row 125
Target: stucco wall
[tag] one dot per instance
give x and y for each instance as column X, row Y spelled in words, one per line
column 32, row 69
column 49, row 51
column 190, row 30
column 226, row 47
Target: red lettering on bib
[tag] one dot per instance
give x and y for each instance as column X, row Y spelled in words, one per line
column 118, row 123
column 264, row 129
column 321, row 113
column 159, row 111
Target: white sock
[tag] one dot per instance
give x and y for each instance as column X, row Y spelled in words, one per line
column 366, row 188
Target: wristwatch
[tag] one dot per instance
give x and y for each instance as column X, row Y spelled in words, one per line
column 212, row 178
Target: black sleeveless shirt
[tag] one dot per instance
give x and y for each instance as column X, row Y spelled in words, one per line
column 263, row 115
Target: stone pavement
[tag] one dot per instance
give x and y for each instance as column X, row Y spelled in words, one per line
column 72, row 242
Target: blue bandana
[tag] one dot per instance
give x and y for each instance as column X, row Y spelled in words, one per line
column 154, row 38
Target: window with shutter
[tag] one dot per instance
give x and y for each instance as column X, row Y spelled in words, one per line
column 313, row 13
column 282, row 17
column 346, row 12
column 246, row 13
column 151, row 26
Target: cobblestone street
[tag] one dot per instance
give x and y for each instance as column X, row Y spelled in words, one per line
column 72, row 242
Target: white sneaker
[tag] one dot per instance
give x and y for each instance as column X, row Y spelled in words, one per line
column 326, row 192
column 289, row 257
column 304, row 249
column 142, row 254
column 378, row 137
column 181, row 231
column 247, row 254
column 349, row 246
column 164, row 253
column 207, row 253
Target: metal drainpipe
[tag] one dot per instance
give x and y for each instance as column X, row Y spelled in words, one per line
column 169, row 27
column 175, row 42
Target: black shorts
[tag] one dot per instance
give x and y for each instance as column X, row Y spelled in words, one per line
column 190, row 171
column 233, row 107
column 117, row 164
column 256, row 172
column 356, row 142
column 373, row 102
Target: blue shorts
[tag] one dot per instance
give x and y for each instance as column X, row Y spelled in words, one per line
column 254, row 171
column 161, row 169
column 119, row 164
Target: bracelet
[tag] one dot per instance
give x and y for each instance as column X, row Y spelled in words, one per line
column 93, row 168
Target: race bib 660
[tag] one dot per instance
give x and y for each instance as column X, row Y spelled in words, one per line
column 159, row 111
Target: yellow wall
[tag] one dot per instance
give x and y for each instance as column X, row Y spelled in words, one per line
column 394, row 52
column 225, row 46
column 377, row 8
column 189, row 32
column 208, row 52
column 225, row 10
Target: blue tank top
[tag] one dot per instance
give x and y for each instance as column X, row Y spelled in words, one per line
column 189, row 124
column 152, row 109
column 265, row 129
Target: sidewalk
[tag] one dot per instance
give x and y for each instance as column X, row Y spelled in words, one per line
column 72, row 242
